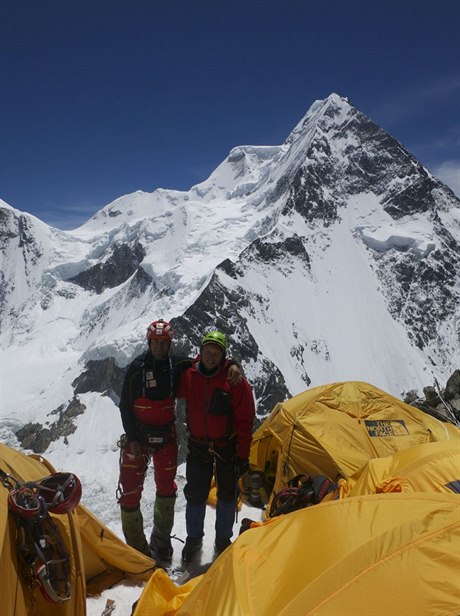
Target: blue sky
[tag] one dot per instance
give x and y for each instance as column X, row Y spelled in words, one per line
column 104, row 97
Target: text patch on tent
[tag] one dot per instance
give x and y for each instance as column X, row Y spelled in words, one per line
column 386, row 427
column 454, row 486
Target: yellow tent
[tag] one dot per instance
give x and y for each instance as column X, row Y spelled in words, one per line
column 432, row 467
column 334, row 430
column 376, row 554
column 371, row 554
column 161, row 597
column 99, row 558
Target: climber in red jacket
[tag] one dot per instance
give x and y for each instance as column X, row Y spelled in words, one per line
column 220, row 422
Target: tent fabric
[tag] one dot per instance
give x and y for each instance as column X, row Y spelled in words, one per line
column 432, row 467
column 99, row 558
column 334, row 430
column 365, row 555
column 162, row 596
column 108, row 560
column 212, row 496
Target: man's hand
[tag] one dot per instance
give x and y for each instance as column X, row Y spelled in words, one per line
column 242, row 466
column 234, row 375
column 135, row 448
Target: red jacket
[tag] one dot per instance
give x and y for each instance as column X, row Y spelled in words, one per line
column 206, row 395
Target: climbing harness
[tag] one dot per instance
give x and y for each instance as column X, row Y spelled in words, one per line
column 41, row 549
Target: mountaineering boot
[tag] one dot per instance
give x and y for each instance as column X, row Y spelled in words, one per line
column 133, row 529
column 191, row 547
column 163, row 522
column 225, row 517
column 220, row 544
column 194, row 522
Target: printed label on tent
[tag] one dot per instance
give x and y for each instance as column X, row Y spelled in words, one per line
column 386, row 427
column 454, row 486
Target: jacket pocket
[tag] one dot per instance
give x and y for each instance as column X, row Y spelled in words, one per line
column 221, row 403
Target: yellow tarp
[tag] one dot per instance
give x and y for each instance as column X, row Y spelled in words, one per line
column 162, row 596
column 99, row 558
column 212, row 496
column 334, row 430
column 377, row 554
column 433, row 467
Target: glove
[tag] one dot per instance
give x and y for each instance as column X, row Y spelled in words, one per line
column 242, row 466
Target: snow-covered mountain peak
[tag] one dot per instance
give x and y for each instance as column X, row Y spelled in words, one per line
column 240, row 173
column 334, row 109
column 331, row 256
column 127, row 210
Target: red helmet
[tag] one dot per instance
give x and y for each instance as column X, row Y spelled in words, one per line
column 159, row 330
column 60, row 491
column 24, row 502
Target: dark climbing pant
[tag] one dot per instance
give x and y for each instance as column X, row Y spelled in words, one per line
column 201, row 466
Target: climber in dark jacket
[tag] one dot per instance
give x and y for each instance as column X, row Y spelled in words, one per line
column 147, row 407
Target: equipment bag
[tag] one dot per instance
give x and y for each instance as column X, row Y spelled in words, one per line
column 302, row 491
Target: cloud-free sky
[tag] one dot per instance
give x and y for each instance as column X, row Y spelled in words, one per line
column 104, row 97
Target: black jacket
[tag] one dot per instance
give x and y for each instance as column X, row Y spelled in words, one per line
column 167, row 375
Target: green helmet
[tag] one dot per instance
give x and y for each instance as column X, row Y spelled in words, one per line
column 216, row 338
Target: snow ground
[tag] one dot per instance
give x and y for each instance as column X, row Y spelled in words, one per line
column 125, row 595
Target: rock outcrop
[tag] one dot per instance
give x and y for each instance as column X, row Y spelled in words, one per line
column 444, row 404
